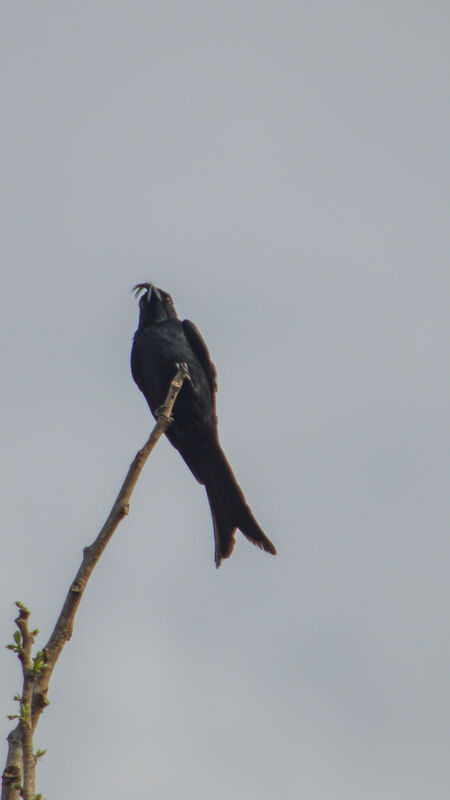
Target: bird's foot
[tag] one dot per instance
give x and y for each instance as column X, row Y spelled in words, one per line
column 181, row 365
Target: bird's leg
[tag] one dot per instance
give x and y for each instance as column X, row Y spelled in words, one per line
column 183, row 368
column 181, row 365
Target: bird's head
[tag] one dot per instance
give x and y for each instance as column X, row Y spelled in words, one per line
column 155, row 305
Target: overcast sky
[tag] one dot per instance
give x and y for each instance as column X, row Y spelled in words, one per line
column 281, row 169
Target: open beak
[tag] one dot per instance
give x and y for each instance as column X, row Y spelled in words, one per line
column 149, row 289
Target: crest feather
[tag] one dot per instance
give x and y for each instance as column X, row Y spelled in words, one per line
column 140, row 287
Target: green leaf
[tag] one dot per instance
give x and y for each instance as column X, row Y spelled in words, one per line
column 38, row 663
column 25, row 713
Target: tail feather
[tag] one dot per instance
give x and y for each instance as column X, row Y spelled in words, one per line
column 229, row 510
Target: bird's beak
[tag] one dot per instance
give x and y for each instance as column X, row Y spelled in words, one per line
column 155, row 291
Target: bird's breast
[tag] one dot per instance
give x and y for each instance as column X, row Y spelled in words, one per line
column 157, row 351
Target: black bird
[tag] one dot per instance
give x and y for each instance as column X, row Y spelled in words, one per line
column 161, row 342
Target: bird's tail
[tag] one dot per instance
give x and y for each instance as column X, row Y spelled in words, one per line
column 229, row 509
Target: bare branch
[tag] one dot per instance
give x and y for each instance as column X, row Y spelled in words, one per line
column 12, row 774
column 29, row 764
column 21, row 762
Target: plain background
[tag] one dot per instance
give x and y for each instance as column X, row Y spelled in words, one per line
column 280, row 168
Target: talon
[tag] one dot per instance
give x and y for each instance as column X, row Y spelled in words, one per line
column 181, row 365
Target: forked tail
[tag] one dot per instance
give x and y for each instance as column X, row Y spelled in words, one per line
column 229, row 509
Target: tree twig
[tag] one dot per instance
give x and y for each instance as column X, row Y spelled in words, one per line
column 29, row 764
column 18, row 778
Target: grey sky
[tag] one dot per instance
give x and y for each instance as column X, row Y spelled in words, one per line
column 281, row 169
